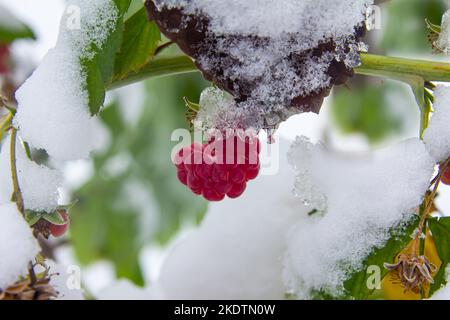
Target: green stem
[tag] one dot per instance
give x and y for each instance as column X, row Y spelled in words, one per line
column 5, row 124
column 395, row 68
column 159, row 67
column 372, row 65
column 17, row 193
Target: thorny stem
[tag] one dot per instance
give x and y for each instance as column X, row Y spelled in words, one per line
column 428, row 204
column 17, row 193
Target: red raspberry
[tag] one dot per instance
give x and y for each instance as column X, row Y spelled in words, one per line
column 446, row 177
column 60, row 230
column 4, row 57
column 214, row 171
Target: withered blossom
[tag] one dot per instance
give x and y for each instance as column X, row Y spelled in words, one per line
column 413, row 272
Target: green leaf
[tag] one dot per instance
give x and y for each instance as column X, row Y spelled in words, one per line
column 405, row 29
column 440, row 279
column 33, row 217
column 140, row 41
column 440, row 229
column 100, row 68
column 365, row 110
column 54, row 218
column 11, row 28
column 103, row 231
column 356, row 285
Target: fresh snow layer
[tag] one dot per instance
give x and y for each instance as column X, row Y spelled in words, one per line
column 312, row 20
column 237, row 252
column 218, row 110
column 437, row 135
column 17, row 245
column 269, row 44
column 53, row 112
column 361, row 200
column 39, row 184
column 443, row 42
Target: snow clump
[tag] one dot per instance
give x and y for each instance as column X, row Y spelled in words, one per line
column 39, row 184
column 437, row 135
column 360, row 200
column 277, row 58
column 53, row 104
column 18, row 247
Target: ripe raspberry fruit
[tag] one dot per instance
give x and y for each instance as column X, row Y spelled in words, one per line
column 60, row 230
column 219, row 168
column 4, row 57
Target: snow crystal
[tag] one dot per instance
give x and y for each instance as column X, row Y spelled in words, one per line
column 361, row 199
column 39, row 184
column 274, row 52
column 17, row 245
column 237, row 253
column 437, row 135
column 314, row 20
column 218, row 110
column 443, row 42
column 53, row 112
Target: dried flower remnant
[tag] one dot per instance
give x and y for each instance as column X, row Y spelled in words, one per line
column 33, row 287
column 275, row 58
column 413, row 272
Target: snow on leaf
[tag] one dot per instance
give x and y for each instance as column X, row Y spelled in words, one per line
column 56, row 103
column 362, row 199
column 39, row 184
column 440, row 229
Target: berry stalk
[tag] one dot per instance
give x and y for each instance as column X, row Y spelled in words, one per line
column 17, row 193
column 428, row 203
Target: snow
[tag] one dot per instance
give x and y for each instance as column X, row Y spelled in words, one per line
column 361, row 198
column 218, row 110
column 437, row 135
column 237, row 253
column 314, row 20
column 39, row 184
column 17, row 245
column 9, row 21
column 65, row 281
column 443, row 42
column 53, row 111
